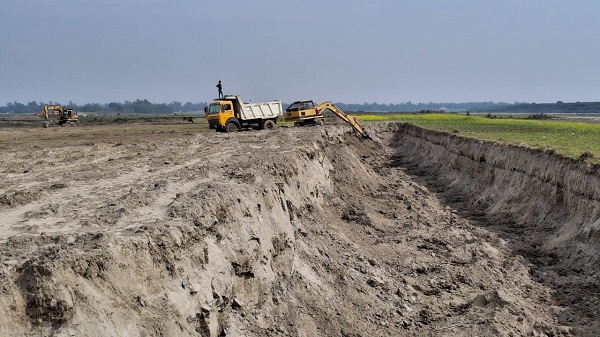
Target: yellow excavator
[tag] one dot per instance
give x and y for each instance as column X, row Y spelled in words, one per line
column 304, row 113
column 65, row 116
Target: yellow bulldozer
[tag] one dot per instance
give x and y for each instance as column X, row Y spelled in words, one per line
column 304, row 113
column 65, row 116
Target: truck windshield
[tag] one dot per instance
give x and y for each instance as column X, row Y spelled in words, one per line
column 214, row 109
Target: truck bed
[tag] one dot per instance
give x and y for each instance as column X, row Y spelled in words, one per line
column 263, row 110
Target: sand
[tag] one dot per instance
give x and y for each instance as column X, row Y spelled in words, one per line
column 150, row 230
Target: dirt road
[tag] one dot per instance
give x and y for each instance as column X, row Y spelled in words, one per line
column 165, row 230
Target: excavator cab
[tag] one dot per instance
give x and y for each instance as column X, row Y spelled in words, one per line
column 303, row 113
column 300, row 105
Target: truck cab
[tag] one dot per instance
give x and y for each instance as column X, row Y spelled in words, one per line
column 219, row 112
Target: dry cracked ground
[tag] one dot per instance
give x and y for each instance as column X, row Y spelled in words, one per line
column 168, row 230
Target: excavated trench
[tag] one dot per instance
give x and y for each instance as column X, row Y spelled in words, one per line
column 545, row 206
column 309, row 232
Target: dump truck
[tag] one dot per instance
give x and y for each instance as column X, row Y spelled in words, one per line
column 230, row 114
column 65, row 116
column 304, row 113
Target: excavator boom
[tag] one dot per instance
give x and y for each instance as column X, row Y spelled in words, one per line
column 349, row 119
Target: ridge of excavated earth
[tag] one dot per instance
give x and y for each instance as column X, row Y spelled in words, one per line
column 294, row 232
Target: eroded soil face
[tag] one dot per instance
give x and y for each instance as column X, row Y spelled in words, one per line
column 151, row 230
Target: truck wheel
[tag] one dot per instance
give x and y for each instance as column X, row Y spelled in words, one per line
column 231, row 127
column 269, row 125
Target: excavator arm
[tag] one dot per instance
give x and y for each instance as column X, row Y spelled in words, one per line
column 55, row 110
column 349, row 119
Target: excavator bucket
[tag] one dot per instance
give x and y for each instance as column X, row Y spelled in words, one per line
column 349, row 119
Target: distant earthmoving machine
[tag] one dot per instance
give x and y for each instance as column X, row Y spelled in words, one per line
column 304, row 113
column 65, row 116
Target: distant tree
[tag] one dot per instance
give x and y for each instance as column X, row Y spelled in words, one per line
column 142, row 106
column 16, row 107
column 189, row 107
column 162, row 108
column 91, row 107
column 175, row 106
column 34, row 106
column 114, row 106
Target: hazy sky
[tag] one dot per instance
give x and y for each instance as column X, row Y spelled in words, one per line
column 385, row 51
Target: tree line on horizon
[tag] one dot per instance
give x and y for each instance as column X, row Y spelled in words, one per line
column 558, row 107
column 134, row 107
column 409, row 106
column 146, row 107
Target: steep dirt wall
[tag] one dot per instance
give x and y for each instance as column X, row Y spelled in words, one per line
column 557, row 198
column 547, row 206
column 221, row 245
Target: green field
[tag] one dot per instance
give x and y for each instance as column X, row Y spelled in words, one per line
column 568, row 138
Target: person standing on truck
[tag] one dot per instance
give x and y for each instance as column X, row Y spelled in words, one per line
column 220, row 89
